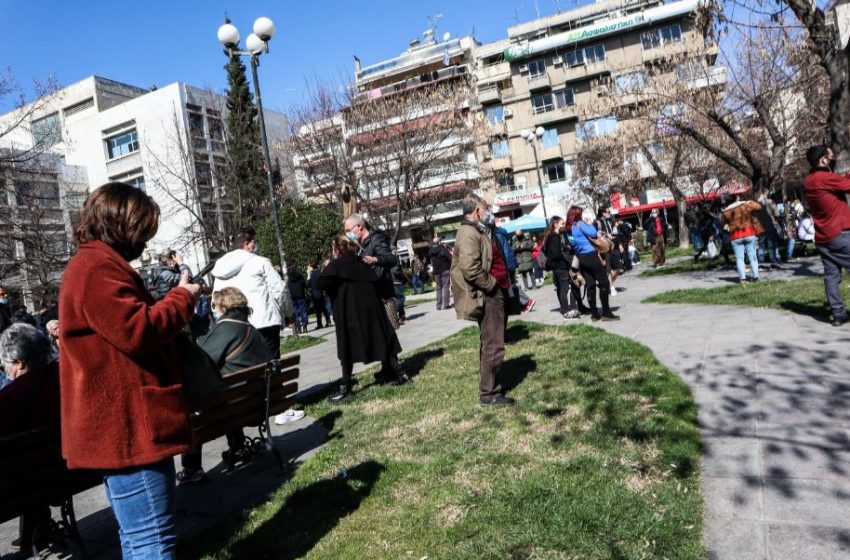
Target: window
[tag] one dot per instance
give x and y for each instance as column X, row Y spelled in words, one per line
column 203, row 173
column 495, row 114
column 536, row 68
column 556, row 171
column 542, row 103
column 549, row 101
column 196, row 125
column 47, row 132
column 122, row 144
column 550, row 138
column 564, row 98
column 630, row 83
column 134, row 178
column 596, row 127
column 655, row 38
column 505, row 181
column 585, row 55
column 138, row 182
column 500, row 149
column 41, row 195
column 216, row 129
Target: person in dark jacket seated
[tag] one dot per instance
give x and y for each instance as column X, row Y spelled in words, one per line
column 30, row 401
column 363, row 331
column 233, row 344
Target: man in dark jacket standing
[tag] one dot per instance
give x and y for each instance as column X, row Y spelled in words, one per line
column 297, row 285
column 375, row 252
column 166, row 275
column 319, row 303
column 825, row 193
column 656, row 237
column 441, row 260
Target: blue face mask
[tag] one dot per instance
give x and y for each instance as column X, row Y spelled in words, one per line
column 351, row 235
column 215, row 316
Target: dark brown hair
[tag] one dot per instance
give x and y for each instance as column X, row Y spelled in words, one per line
column 246, row 234
column 344, row 246
column 119, row 215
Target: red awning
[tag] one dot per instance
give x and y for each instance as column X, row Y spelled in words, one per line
column 731, row 188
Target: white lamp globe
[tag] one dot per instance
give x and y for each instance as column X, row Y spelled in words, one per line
column 525, row 134
column 540, row 132
column 254, row 44
column 228, row 35
column 264, row 28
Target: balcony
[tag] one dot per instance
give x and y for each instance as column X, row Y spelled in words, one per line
column 555, row 115
column 494, row 72
column 552, row 152
column 582, row 71
column 123, row 164
column 499, row 163
column 715, row 77
column 670, row 49
column 498, row 129
column 541, row 81
column 489, row 93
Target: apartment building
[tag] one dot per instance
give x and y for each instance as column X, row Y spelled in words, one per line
column 549, row 73
column 432, row 148
column 169, row 141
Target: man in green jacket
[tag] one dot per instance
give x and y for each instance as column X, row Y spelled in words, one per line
column 480, row 282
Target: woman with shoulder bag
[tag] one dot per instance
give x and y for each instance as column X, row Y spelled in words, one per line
column 558, row 260
column 122, row 404
column 592, row 267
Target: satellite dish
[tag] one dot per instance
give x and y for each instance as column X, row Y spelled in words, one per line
column 446, row 36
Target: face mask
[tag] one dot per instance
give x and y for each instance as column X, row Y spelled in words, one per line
column 351, row 235
column 215, row 316
column 3, row 301
column 256, row 249
column 831, row 164
column 131, row 252
column 489, row 219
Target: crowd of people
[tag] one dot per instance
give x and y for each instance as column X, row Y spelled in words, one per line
column 107, row 369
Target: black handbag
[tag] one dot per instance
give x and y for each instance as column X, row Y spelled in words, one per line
column 200, row 375
column 512, row 303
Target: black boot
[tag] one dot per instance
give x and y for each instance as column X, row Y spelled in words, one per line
column 607, row 315
column 343, row 393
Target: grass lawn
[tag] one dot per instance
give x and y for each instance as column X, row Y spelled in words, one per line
column 683, row 266
column 804, row 296
column 411, row 300
column 292, row 344
column 599, row 459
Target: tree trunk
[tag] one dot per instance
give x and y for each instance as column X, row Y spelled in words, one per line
column 839, row 109
column 684, row 238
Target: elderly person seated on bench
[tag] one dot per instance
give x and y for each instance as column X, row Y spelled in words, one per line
column 233, row 344
column 29, row 401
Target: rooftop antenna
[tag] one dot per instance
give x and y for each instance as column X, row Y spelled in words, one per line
column 558, row 5
column 516, row 13
column 537, row 9
column 432, row 22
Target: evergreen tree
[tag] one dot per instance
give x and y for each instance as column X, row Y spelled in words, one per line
column 246, row 180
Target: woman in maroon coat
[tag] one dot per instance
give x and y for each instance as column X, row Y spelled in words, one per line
column 122, row 403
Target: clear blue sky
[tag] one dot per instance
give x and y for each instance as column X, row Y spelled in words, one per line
column 157, row 42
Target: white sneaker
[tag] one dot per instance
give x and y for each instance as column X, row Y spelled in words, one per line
column 613, row 291
column 288, row 416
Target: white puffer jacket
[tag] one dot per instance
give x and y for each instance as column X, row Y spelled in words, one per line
column 259, row 281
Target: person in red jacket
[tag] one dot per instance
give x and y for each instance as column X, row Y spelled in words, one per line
column 825, row 194
column 122, row 406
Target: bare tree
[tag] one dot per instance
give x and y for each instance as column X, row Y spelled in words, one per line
column 22, row 135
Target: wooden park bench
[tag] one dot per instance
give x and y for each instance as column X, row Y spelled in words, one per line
column 33, row 472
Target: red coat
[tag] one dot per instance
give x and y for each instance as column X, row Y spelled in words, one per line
column 121, row 399
column 825, row 192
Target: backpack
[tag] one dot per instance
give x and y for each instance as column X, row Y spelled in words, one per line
column 541, row 257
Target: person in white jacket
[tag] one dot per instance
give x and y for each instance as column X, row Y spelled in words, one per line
column 265, row 290
column 255, row 277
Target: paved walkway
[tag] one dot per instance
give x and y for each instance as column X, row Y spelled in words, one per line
column 773, row 414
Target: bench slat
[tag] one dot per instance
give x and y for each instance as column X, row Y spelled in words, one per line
column 245, row 420
column 251, row 372
column 255, row 402
column 254, row 386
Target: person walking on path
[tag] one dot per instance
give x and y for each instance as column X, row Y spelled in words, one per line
column 522, row 246
column 825, row 192
column 363, row 330
column 538, row 272
column 441, row 261
column 416, row 270
column 318, row 296
column 479, row 284
column 376, row 253
column 559, row 256
column 122, row 405
column 656, row 230
column 297, row 285
column 743, row 229
column 591, row 265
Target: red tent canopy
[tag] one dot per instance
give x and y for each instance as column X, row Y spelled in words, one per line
column 730, row 188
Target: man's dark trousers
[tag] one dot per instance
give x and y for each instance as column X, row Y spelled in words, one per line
column 443, row 281
column 492, row 352
column 272, row 337
column 835, row 256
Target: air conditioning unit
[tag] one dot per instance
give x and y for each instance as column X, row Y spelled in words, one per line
column 523, row 67
column 508, row 113
column 601, row 90
column 520, row 181
column 557, row 61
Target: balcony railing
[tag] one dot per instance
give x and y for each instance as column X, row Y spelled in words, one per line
column 427, row 78
column 560, row 114
column 489, row 93
column 540, row 81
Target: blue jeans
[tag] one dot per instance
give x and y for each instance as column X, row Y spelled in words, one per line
column 789, row 252
column 300, row 308
column 747, row 244
column 416, row 283
column 143, row 499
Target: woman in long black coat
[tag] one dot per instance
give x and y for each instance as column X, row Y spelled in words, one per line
column 363, row 331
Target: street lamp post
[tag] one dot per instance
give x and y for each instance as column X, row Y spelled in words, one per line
column 256, row 44
column 532, row 137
